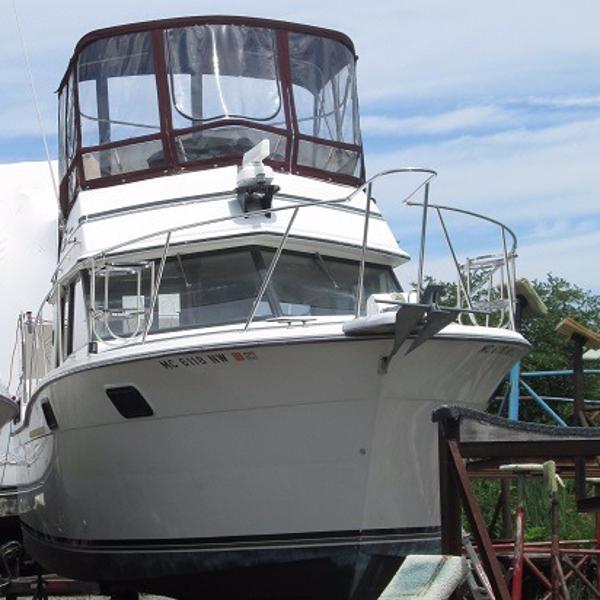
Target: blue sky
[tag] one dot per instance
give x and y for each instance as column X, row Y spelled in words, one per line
column 501, row 98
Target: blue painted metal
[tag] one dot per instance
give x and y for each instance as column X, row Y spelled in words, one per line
column 562, row 373
column 504, row 399
column 542, row 404
column 513, row 398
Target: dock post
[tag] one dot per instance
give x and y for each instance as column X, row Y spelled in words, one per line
column 450, row 510
column 579, row 417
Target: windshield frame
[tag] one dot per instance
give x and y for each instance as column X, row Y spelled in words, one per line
column 76, row 177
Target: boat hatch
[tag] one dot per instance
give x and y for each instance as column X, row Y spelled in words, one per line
column 154, row 98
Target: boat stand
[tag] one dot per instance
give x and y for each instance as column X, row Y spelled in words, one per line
column 473, row 444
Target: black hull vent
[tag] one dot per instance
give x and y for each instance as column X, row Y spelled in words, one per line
column 49, row 415
column 129, row 402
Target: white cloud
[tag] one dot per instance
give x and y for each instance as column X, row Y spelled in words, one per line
column 468, row 118
column 565, row 101
column 519, row 174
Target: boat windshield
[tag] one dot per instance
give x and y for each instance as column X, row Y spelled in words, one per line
column 195, row 93
column 217, row 288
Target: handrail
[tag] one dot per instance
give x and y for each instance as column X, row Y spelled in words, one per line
column 505, row 262
column 267, row 211
column 312, row 202
column 93, row 260
column 472, row 214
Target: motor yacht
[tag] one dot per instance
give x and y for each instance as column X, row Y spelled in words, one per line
column 227, row 393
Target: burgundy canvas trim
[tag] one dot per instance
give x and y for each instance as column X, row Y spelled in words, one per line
column 328, row 176
column 63, row 194
column 120, row 143
column 99, row 34
column 288, row 98
column 199, row 165
column 333, row 143
column 231, row 122
column 164, row 100
column 64, row 200
column 131, row 176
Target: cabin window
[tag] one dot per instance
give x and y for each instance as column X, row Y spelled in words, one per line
column 205, row 290
column 208, row 289
column 66, row 314
column 80, row 317
column 317, row 285
column 74, row 316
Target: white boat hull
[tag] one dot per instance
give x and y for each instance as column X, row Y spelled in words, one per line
column 254, row 456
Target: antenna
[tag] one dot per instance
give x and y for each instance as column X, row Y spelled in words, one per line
column 35, row 101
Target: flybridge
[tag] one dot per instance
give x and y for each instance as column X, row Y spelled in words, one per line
column 150, row 99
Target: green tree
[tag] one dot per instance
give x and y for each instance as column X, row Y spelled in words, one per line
column 551, row 351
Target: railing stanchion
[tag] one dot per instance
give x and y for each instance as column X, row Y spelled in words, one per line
column 267, row 279
column 156, row 284
column 361, row 270
column 454, row 258
column 423, row 239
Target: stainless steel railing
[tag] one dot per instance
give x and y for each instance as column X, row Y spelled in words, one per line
column 468, row 273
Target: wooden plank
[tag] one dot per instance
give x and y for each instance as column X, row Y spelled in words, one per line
column 569, row 327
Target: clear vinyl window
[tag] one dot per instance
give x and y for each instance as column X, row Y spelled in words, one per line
column 117, row 89
column 324, row 88
column 221, row 72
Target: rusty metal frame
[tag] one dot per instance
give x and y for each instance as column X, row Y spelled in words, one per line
column 576, row 457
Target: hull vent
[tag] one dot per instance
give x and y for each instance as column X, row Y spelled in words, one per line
column 129, row 402
column 49, row 415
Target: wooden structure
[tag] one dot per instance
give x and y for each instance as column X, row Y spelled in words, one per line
column 581, row 338
column 474, row 445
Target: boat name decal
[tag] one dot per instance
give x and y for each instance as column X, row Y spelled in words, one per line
column 207, row 360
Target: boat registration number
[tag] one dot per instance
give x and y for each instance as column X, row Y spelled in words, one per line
column 207, row 360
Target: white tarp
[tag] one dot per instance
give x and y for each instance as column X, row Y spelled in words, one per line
column 28, row 247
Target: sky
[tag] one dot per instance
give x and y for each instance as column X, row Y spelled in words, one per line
column 502, row 99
